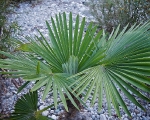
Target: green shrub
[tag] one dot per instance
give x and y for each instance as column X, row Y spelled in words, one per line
column 111, row 13
column 6, row 31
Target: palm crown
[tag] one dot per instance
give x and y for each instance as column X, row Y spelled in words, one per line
column 77, row 62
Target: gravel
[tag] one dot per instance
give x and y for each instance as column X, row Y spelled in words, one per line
column 31, row 17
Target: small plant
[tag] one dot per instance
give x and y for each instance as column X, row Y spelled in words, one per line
column 76, row 65
column 111, row 13
column 26, row 108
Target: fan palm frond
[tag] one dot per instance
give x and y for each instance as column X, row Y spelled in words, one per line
column 26, row 107
column 125, row 66
column 50, row 63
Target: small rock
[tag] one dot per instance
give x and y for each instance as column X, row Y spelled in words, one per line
column 132, row 114
column 54, row 117
column 144, row 118
column 97, row 116
column 125, row 119
column 89, row 110
column 136, row 111
column 48, row 100
column 139, row 115
column 65, row 1
column 87, row 104
column 126, row 115
column 57, row 111
column 93, row 116
column 52, row 111
column 53, row 5
column 14, row 92
column 42, row 107
column 8, row 94
column 85, row 3
column 45, row 113
column 102, row 117
column 110, row 118
column 61, row 111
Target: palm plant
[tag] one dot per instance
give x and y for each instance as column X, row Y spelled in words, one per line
column 26, row 108
column 80, row 63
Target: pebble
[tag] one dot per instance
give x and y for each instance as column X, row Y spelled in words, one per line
column 97, row 116
column 57, row 111
column 93, row 116
column 52, row 111
column 110, row 118
column 45, row 113
column 65, row 1
column 125, row 119
column 136, row 111
column 41, row 107
column 102, row 117
column 145, row 118
column 8, row 95
column 54, row 117
column 139, row 115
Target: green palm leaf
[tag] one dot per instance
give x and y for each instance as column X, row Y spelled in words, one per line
column 126, row 65
column 26, row 108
